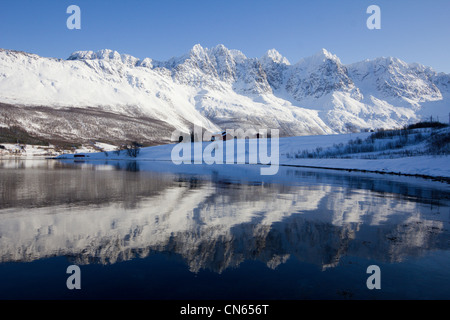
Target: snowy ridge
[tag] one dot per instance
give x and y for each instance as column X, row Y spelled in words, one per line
column 395, row 79
column 218, row 88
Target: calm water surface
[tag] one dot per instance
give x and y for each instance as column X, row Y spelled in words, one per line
column 153, row 230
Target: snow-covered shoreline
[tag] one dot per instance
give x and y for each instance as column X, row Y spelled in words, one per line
column 27, row 151
column 424, row 165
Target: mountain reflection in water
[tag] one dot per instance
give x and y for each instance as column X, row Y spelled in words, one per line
column 214, row 217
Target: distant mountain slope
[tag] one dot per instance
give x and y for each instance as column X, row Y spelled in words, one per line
column 115, row 97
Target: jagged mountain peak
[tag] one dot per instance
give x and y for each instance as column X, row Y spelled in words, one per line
column 220, row 50
column 274, row 56
column 198, row 51
column 396, row 80
column 206, row 58
column 219, row 67
column 324, row 53
column 389, row 63
column 105, row 54
column 320, row 57
column 320, row 75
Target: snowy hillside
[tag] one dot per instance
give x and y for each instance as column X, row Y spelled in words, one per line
column 397, row 154
column 114, row 97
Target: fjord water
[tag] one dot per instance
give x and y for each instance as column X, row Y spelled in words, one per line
column 154, row 230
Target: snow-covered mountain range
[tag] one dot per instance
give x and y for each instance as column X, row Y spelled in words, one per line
column 115, row 97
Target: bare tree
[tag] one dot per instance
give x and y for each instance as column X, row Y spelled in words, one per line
column 132, row 149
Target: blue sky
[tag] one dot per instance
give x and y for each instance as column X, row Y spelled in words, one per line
column 412, row 30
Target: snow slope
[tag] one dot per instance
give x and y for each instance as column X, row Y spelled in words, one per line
column 433, row 166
